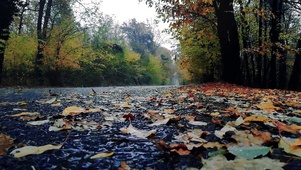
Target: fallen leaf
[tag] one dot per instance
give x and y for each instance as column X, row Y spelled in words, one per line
column 213, row 145
column 33, row 150
column 193, row 122
column 124, row 166
column 126, row 105
column 73, row 110
column 5, row 143
column 138, row 133
column 51, row 101
column 256, row 118
column 56, row 104
column 290, row 145
column 39, row 122
column 168, row 111
column 129, row 116
column 25, row 114
column 283, row 127
column 181, row 151
column 226, row 128
column 102, row 155
column 268, row 106
column 219, row 162
column 249, row 152
column 159, row 122
column 239, row 121
column 263, row 136
column 246, row 139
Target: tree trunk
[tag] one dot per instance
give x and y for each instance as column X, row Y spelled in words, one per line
column 265, row 57
column 22, row 11
column 295, row 76
column 42, row 36
column 245, row 28
column 260, row 55
column 229, row 42
column 276, row 6
column 8, row 8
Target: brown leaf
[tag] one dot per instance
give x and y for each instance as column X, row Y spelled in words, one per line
column 124, row 166
column 263, row 136
column 283, row 127
column 5, row 143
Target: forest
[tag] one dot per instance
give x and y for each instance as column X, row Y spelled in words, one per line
column 253, row 43
column 72, row 43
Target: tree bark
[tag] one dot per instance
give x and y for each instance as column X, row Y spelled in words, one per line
column 260, row 55
column 8, row 8
column 229, row 42
column 42, row 36
column 276, row 6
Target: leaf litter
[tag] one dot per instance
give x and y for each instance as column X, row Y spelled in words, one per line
column 209, row 126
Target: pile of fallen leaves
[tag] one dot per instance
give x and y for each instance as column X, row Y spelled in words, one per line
column 210, row 126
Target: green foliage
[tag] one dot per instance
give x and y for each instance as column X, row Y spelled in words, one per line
column 19, row 60
column 95, row 54
column 200, row 48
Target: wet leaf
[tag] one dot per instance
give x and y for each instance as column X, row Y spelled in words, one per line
column 181, row 151
column 136, row 132
column 102, row 155
column 39, row 122
column 219, row 162
column 25, row 114
column 159, row 122
column 73, row 110
column 249, row 152
column 33, row 150
column 5, row 143
column 124, row 166
column 129, row 116
column 226, row 128
column 290, row 145
column 51, row 101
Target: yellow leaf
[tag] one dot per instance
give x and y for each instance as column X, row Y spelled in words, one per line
column 126, row 105
column 102, row 155
column 33, row 150
column 268, row 106
column 292, row 146
column 94, row 110
column 26, row 113
column 73, row 110
column 255, row 118
column 169, row 111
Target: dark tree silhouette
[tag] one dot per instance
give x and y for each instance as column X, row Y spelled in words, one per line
column 8, row 9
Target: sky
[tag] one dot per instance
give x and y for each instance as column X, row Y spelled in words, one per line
column 124, row 10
